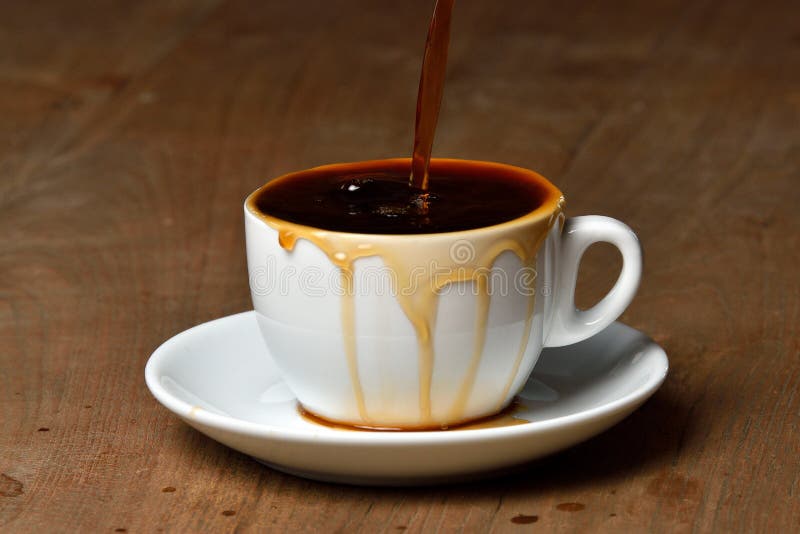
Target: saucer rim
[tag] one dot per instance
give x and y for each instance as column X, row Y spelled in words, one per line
column 198, row 416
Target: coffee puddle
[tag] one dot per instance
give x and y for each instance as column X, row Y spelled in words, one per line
column 507, row 417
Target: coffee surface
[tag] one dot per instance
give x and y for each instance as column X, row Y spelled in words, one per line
column 383, row 202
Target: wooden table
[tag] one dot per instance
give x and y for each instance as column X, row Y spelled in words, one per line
column 130, row 133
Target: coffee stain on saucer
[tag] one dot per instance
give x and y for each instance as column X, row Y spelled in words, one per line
column 507, row 417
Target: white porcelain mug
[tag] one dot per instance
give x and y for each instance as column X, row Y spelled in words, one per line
column 425, row 331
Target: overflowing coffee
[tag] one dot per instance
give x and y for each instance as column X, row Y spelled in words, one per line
column 402, row 198
column 365, row 221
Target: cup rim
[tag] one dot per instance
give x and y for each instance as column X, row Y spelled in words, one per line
column 552, row 202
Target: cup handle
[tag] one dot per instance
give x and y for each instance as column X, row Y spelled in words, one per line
column 570, row 325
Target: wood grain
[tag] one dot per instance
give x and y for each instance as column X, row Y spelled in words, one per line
column 131, row 132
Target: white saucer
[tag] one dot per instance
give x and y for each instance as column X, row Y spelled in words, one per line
column 219, row 378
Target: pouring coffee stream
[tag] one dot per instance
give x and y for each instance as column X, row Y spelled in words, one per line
column 431, row 89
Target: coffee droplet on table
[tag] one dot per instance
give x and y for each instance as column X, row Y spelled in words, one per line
column 522, row 519
column 571, row 506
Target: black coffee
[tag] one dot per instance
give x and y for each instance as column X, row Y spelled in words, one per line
column 383, row 202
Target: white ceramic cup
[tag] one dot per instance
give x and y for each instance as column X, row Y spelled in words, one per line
column 425, row 331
